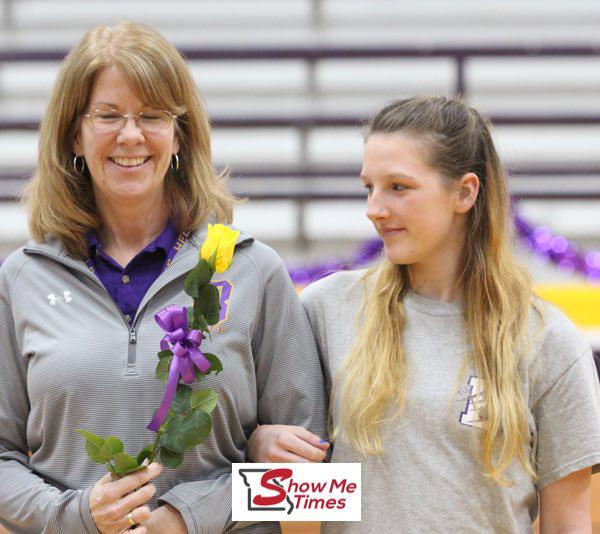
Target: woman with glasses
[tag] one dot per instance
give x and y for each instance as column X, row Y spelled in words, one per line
column 118, row 208
column 471, row 404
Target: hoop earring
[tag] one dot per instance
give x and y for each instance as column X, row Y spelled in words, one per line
column 175, row 165
column 76, row 164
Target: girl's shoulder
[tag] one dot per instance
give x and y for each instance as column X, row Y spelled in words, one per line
column 335, row 288
column 555, row 329
column 558, row 343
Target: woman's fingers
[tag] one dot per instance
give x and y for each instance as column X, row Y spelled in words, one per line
column 130, row 482
column 138, row 515
column 108, row 477
column 136, row 499
column 112, row 500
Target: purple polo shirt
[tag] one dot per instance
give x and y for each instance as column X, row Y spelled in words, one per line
column 127, row 286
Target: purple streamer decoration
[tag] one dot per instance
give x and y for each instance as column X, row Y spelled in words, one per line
column 565, row 254
column 186, row 354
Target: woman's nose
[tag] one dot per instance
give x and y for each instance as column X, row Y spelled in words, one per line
column 131, row 132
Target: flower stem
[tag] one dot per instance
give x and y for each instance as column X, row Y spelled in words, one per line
column 155, row 445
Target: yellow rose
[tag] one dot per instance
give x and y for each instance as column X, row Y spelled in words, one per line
column 218, row 246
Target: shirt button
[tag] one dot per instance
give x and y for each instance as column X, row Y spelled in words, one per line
column 128, row 318
column 125, row 279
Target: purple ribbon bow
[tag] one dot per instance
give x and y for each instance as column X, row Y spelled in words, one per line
column 186, row 354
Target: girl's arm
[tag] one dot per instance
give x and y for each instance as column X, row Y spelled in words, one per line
column 565, row 505
column 284, row 443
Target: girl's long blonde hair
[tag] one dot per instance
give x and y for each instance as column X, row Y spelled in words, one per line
column 496, row 296
column 60, row 200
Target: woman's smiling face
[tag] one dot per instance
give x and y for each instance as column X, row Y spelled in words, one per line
column 129, row 164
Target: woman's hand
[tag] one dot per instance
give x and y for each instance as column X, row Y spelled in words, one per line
column 165, row 519
column 283, row 443
column 112, row 500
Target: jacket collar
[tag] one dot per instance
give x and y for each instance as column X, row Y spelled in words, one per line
column 185, row 260
column 52, row 247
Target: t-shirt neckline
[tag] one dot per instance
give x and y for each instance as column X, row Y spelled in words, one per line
column 431, row 306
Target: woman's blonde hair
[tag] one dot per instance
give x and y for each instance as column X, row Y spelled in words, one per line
column 59, row 199
column 496, row 296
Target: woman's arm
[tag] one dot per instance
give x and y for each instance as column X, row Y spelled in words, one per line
column 289, row 386
column 28, row 503
column 565, row 505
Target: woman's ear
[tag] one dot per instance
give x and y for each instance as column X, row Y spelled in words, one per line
column 77, row 146
column 467, row 191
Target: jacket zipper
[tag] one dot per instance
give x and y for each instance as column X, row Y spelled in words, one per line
column 131, row 353
column 131, row 368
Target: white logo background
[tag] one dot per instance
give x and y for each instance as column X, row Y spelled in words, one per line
column 300, row 492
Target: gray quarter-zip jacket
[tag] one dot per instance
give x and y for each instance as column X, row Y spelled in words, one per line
column 69, row 360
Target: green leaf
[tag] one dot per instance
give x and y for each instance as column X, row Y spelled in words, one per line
column 93, row 445
column 204, row 399
column 112, row 445
column 199, row 374
column 181, row 401
column 198, row 278
column 165, row 354
column 91, row 437
column 170, row 458
column 215, row 367
column 212, row 261
column 208, row 304
column 163, row 367
column 172, row 438
column 195, row 428
column 132, row 470
column 185, row 431
column 145, row 453
column 215, row 364
column 124, row 463
column 200, row 323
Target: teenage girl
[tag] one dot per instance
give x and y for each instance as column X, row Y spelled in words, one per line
column 471, row 404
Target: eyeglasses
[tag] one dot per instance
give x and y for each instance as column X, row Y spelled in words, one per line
column 113, row 121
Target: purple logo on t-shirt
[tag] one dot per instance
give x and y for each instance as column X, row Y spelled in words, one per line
column 471, row 415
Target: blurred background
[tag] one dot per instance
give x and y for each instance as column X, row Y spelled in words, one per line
column 289, row 83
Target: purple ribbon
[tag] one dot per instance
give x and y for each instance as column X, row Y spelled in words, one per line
column 186, row 354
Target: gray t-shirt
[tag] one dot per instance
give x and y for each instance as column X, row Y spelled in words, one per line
column 429, row 478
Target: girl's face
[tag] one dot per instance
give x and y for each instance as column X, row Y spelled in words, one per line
column 420, row 214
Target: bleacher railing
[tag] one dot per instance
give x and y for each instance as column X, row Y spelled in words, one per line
column 304, row 123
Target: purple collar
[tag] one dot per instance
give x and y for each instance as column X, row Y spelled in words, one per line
column 164, row 240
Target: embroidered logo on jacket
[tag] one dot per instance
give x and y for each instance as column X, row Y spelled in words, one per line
column 53, row 299
column 225, row 288
column 471, row 415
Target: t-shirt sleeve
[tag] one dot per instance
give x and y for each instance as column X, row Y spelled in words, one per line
column 567, row 417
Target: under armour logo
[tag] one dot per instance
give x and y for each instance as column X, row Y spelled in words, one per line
column 54, row 299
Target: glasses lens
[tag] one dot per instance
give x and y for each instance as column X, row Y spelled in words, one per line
column 154, row 121
column 106, row 120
